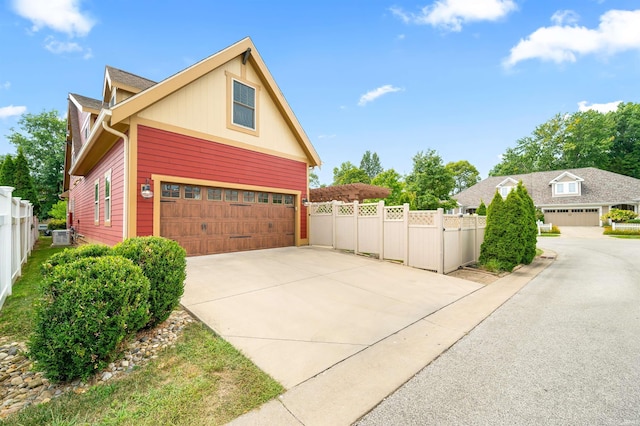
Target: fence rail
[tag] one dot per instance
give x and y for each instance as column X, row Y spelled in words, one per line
column 422, row 239
column 18, row 234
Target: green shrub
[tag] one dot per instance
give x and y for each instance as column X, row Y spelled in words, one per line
column 57, row 224
column 88, row 308
column 617, row 215
column 482, row 209
column 74, row 253
column 163, row 262
column 608, row 230
column 633, row 221
column 554, row 230
column 539, row 216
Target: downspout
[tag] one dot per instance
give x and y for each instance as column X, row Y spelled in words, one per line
column 125, row 195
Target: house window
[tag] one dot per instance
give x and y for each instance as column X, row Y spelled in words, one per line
column 573, row 188
column 214, row 194
column 559, row 188
column 191, row 192
column 288, row 200
column 263, row 198
column 170, row 190
column 504, row 190
column 244, row 105
column 230, row 195
column 96, row 202
column 107, row 198
column 249, row 197
column 276, row 198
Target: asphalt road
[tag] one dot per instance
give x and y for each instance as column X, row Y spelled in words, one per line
column 565, row 350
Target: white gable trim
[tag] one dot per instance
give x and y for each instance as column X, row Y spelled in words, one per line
column 506, row 181
column 566, row 174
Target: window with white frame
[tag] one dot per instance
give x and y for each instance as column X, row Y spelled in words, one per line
column 566, row 188
column 244, row 105
column 96, row 202
column 107, row 198
column 504, row 190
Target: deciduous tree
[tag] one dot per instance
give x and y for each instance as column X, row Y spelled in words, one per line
column 370, row 163
column 42, row 138
column 465, row 175
column 349, row 173
column 431, row 182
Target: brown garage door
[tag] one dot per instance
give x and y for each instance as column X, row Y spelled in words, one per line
column 572, row 217
column 207, row 220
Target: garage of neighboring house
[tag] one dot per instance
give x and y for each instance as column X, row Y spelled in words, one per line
column 573, row 216
column 209, row 220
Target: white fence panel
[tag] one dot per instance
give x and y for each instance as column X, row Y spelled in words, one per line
column 451, row 250
column 370, row 228
column 424, row 248
column 16, row 251
column 5, row 242
column 321, row 227
column 346, row 226
column 468, row 246
column 394, row 237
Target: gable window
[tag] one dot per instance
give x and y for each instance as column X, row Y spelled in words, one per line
column 572, row 188
column 244, row 105
column 107, row 198
column 504, row 190
column 560, row 188
column 96, row 202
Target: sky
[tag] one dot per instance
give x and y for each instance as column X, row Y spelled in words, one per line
column 466, row 78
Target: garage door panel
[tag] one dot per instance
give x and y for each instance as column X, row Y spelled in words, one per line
column 217, row 226
column 573, row 217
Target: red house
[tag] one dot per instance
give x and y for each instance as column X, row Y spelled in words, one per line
column 212, row 157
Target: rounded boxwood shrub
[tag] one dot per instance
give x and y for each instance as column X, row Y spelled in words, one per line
column 88, row 308
column 164, row 263
column 69, row 255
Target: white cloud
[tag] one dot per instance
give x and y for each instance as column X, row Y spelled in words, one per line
column 59, row 15
column 331, row 136
column 55, row 46
column 11, row 111
column 451, row 14
column 400, row 37
column 603, row 108
column 6, row 85
column 374, row 94
column 619, row 30
column 562, row 17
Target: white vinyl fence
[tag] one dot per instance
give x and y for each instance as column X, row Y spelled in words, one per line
column 625, row 226
column 18, row 234
column 423, row 239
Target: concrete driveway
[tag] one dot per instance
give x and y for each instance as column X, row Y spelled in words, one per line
column 298, row 311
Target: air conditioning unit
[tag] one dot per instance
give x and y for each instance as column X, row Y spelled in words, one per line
column 61, row 237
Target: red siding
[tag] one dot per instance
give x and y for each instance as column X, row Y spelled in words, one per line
column 173, row 154
column 82, row 196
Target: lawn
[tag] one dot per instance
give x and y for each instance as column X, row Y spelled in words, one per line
column 202, row 380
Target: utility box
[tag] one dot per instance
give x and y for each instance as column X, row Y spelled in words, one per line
column 61, row 237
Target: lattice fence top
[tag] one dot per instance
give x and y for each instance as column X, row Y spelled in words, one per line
column 368, row 210
column 422, row 218
column 468, row 222
column 320, row 209
column 394, row 213
column 451, row 222
column 482, row 221
column 345, row 210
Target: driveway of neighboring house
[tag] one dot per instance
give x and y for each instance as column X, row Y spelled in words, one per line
column 297, row 311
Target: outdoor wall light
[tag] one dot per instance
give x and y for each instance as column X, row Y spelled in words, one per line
column 145, row 190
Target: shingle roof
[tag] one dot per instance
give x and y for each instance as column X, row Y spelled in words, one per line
column 89, row 102
column 599, row 187
column 128, row 79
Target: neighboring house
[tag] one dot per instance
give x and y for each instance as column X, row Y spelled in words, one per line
column 212, row 157
column 572, row 197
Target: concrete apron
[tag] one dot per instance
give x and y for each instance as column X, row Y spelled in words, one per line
column 341, row 332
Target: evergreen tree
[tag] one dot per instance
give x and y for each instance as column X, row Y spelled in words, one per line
column 22, row 181
column 8, row 172
column 482, row 209
column 513, row 241
column 529, row 228
column 493, row 231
